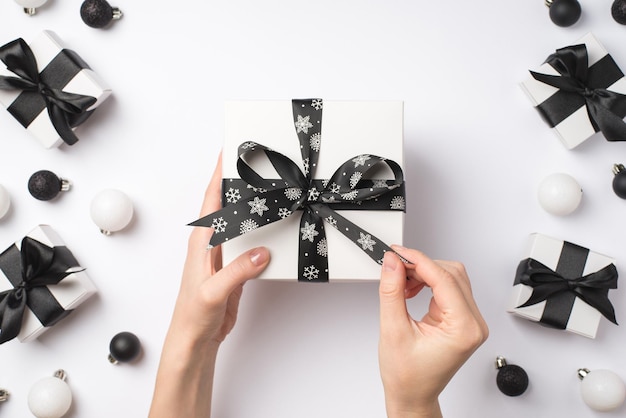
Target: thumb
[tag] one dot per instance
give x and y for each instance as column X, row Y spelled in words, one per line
column 393, row 312
column 245, row 267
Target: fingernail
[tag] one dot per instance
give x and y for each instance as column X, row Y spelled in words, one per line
column 390, row 262
column 258, row 256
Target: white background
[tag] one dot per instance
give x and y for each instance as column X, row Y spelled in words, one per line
column 475, row 152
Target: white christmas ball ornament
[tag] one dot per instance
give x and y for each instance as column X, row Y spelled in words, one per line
column 30, row 6
column 111, row 210
column 50, row 397
column 5, row 201
column 602, row 390
column 559, row 194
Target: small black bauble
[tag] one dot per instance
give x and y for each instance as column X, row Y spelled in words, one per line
column 124, row 347
column 618, row 11
column 619, row 181
column 564, row 13
column 512, row 380
column 45, row 185
column 98, row 13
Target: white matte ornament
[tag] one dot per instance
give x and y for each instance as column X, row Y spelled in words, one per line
column 50, row 397
column 30, row 6
column 559, row 194
column 602, row 390
column 111, row 210
column 5, row 201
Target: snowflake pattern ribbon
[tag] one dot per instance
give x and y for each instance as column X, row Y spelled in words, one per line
column 253, row 201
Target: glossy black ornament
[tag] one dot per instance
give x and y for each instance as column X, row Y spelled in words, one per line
column 618, row 11
column 512, row 380
column 564, row 13
column 619, row 180
column 98, row 13
column 124, row 347
column 45, row 185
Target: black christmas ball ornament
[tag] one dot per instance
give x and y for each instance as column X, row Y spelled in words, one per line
column 619, row 180
column 124, row 347
column 45, row 185
column 98, row 13
column 564, row 13
column 512, row 380
column 618, row 11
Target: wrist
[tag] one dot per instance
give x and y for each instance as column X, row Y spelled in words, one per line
column 417, row 410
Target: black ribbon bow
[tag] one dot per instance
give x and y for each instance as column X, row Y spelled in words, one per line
column 591, row 288
column 30, row 269
column 580, row 85
column 66, row 110
column 276, row 199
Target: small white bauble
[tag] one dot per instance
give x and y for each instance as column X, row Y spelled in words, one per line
column 50, row 397
column 559, row 194
column 602, row 390
column 111, row 210
column 5, row 201
column 31, row 5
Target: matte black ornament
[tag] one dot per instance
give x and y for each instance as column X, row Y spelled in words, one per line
column 98, row 13
column 564, row 13
column 512, row 380
column 618, row 11
column 45, row 185
column 124, row 347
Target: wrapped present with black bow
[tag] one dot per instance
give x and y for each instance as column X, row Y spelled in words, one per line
column 563, row 285
column 319, row 183
column 48, row 88
column 40, row 283
column 580, row 90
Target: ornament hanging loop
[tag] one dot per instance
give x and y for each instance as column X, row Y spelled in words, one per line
column 60, row 374
column 582, row 373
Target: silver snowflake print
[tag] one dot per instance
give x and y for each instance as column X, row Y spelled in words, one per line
column 256, row 189
column 360, row 160
column 380, row 184
column 313, row 194
column 310, row 273
column 233, row 195
column 355, row 178
column 308, row 232
column 249, row 144
column 219, row 225
column 293, row 193
column 303, row 124
column 398, row 203
column 331, row 221
column 328, row 199
column 258, row 206
column 317, row 104
column 366, row 241
column 247, row 226
column 284, row 213
column 322, row 248
column 335, row 188
column 315, row 142
column 350, row 195
column 325, row 182
column 305, row 163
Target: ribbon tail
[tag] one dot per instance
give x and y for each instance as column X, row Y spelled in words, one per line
column 11, row 316
column 603, row 119
column 313, row 249
column 542, row 293
column 598, row 299
column 61, row 124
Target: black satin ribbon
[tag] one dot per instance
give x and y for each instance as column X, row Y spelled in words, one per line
column 272, row 200
column 561, row 288
column 30, row 270
column 44, row 90
column 580, row 85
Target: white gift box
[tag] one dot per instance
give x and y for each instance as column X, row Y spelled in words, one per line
column 349, row 128
column 46, row 47
column 69, row 293
column 577, row 127
column 583, row 318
